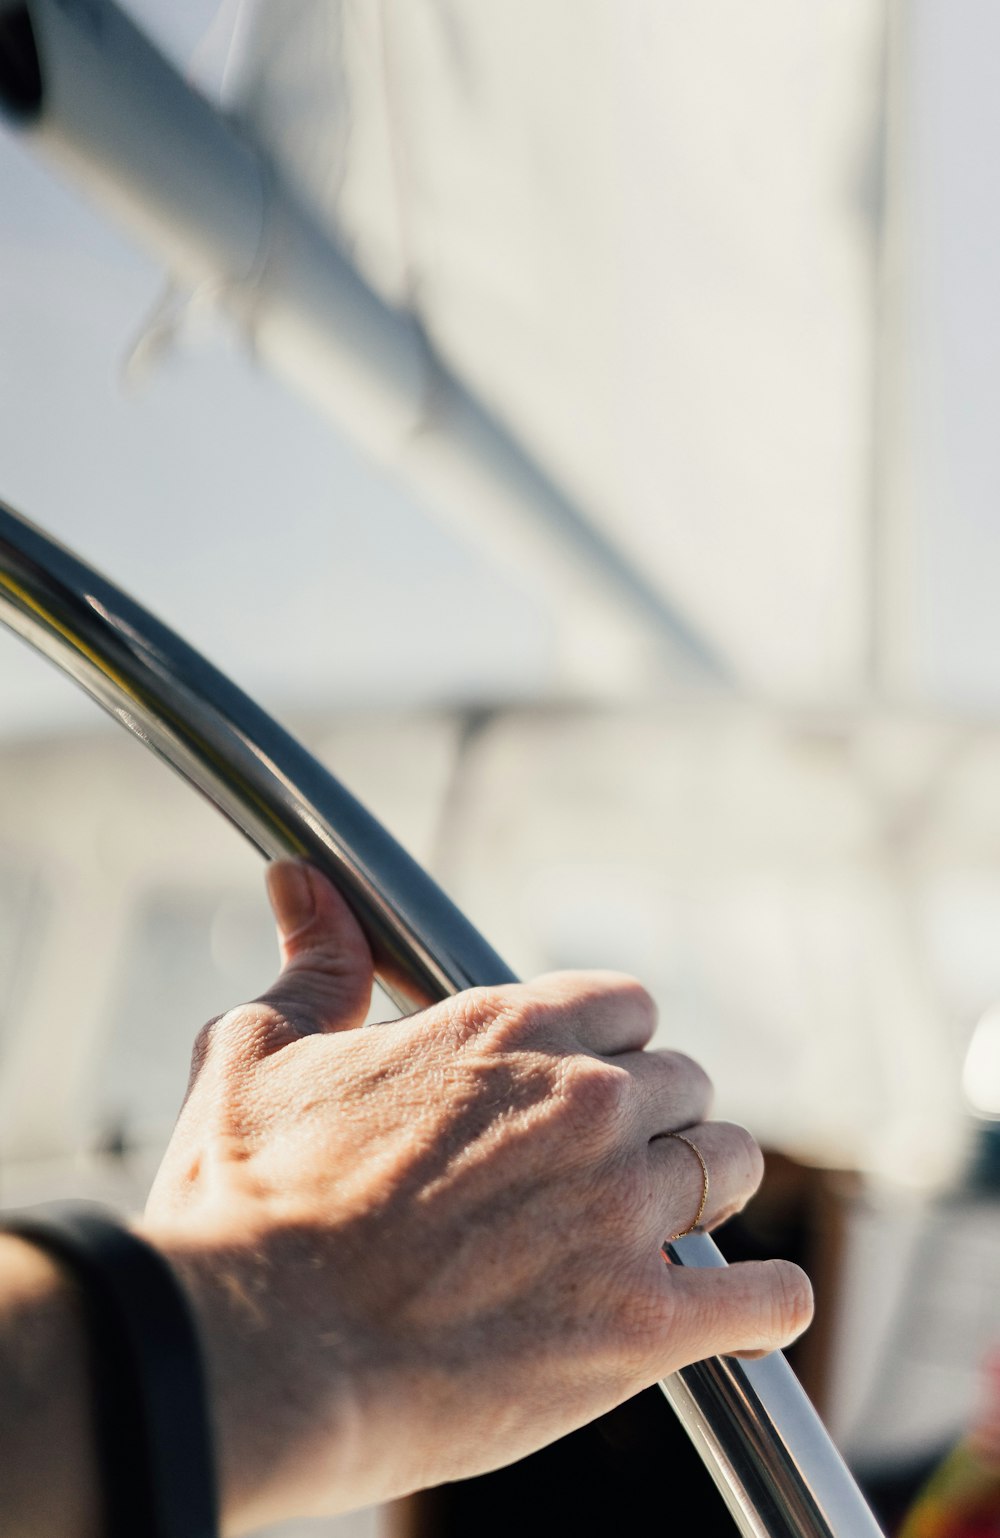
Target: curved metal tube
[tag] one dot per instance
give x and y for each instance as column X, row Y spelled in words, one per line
column 760, row 1437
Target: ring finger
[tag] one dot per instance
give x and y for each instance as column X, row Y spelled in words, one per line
column 704, row 1191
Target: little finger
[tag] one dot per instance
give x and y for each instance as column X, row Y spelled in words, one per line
column 747, row 1310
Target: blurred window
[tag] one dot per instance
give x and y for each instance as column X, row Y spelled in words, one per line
column 189, row 955
column 23, row 912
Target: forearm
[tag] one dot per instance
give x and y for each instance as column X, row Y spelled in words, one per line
column 48, row 1481
column 267, row 1463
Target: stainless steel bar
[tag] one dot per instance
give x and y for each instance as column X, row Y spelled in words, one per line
column 756, row 1430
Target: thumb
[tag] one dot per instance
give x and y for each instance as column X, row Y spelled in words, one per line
column 746, row 1309
column 326, row 976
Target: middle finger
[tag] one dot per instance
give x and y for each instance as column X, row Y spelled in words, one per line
column 733, row 1164
column 672, row 1091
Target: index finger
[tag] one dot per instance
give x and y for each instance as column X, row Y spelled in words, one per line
column 607, row 1012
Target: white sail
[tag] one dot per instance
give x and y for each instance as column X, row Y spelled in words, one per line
column 645, row 235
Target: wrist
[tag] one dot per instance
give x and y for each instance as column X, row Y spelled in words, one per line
column 45, row 1400
column 275, row 1388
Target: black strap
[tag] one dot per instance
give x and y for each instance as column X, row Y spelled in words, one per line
column 150, row 1402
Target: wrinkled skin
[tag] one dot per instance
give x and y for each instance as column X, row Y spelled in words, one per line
column 421, row 1250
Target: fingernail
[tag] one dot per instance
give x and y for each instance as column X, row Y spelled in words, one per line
column 291, row 896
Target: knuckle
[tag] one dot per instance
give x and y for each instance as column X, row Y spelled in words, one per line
column 478, row 1011
column 691, row 1071
column 595, row 1092
column 618, row 991
column 228, row 1035
column 634, row 993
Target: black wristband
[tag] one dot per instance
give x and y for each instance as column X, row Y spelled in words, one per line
column 150, row 1402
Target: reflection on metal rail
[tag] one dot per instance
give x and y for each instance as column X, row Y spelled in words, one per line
column 760, row 1437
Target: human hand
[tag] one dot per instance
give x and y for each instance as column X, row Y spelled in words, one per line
column 422, row 1250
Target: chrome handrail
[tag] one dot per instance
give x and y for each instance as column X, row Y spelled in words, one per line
column 760, row 1437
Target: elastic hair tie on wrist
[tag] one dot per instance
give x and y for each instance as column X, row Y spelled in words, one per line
column 151, row 1411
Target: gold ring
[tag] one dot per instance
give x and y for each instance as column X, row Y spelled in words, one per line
column 704, row 1185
